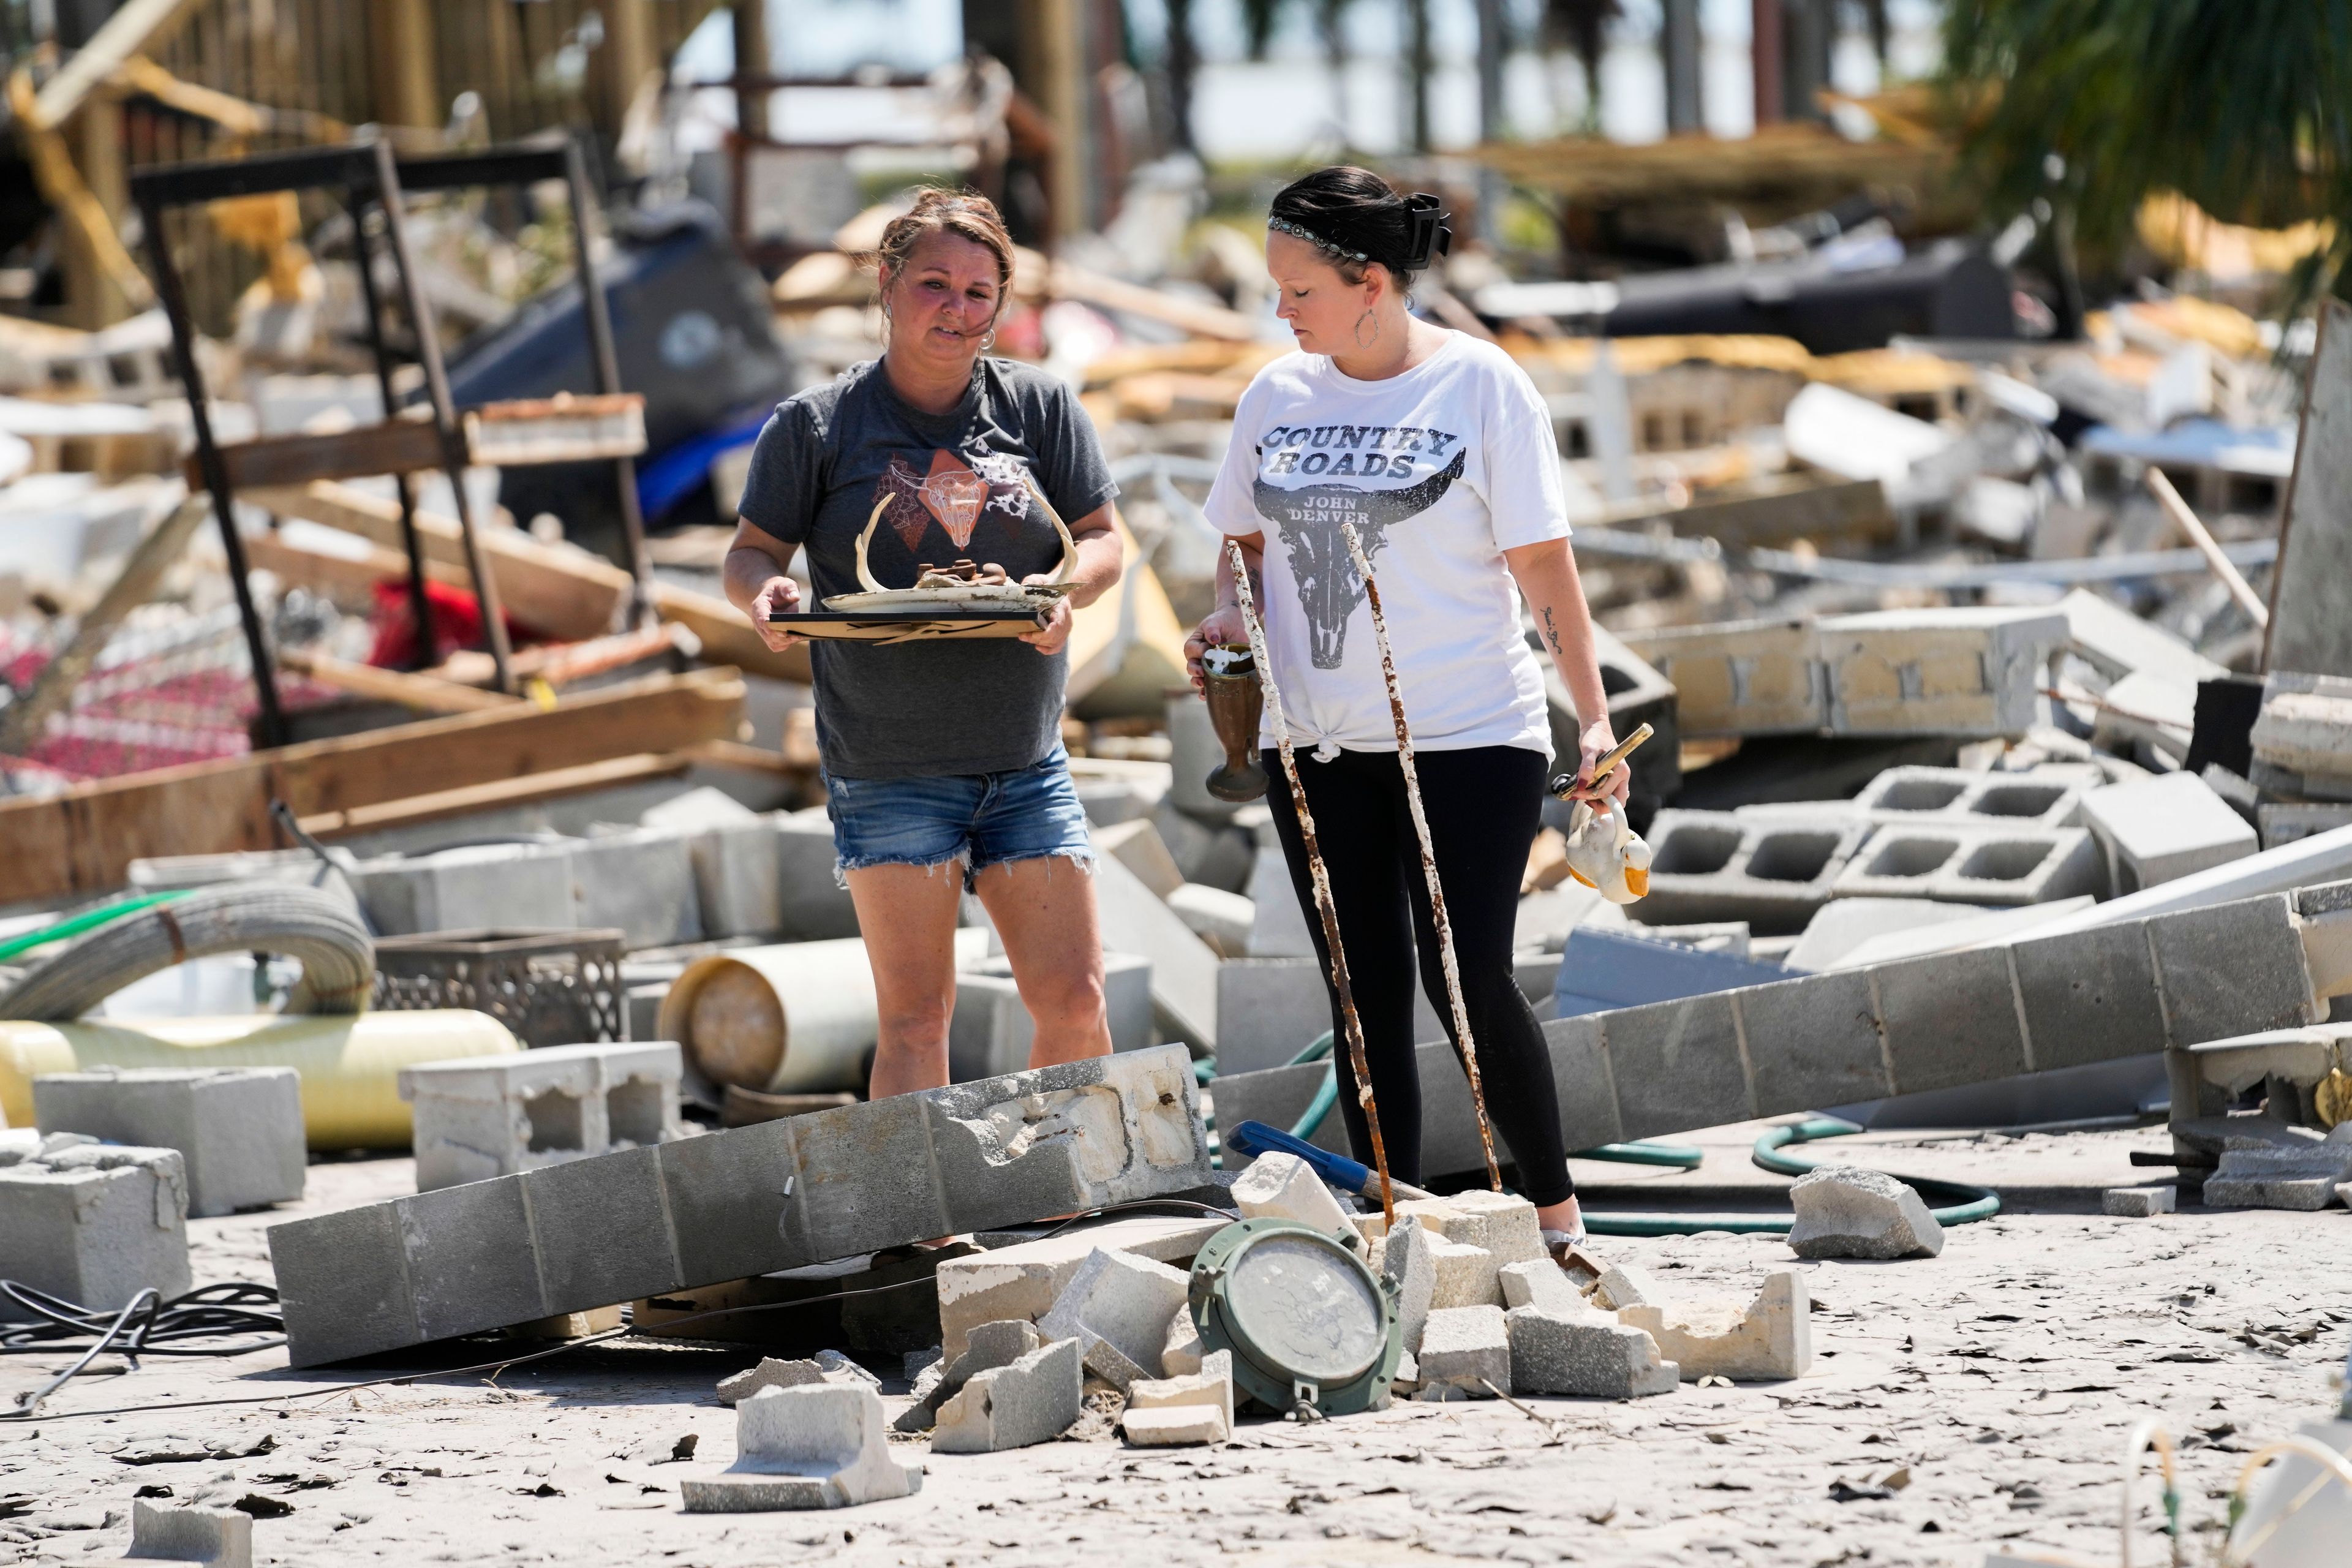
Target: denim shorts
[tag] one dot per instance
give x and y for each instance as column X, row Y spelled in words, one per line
column 970, row 820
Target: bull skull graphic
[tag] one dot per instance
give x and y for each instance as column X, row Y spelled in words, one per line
column 1308, row 519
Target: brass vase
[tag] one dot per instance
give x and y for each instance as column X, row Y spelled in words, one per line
column 1229, row 677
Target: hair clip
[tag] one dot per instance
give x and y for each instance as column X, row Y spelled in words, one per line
column 1310, row 237
column 1429, row 236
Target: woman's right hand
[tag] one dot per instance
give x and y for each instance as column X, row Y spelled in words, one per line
column 1223, row 626
column 777, row 595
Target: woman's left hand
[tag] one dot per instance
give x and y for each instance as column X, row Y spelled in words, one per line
column 1597, row 742
column 1049, row 638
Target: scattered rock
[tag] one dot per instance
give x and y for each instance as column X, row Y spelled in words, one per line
column 1846, row 1211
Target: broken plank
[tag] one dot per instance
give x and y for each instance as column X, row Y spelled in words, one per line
column 85, row 839
column 394, row 447
column 564, row 429
column 441, row 804
column 425, row 693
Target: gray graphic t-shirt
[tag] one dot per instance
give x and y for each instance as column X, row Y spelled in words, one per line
column 954, row 488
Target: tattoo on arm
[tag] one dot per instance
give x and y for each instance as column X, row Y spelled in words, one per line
column 1551, row 632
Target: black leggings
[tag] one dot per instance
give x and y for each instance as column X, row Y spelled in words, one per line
column 1484, row 806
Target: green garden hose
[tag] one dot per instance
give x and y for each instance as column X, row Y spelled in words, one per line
column 88, row 919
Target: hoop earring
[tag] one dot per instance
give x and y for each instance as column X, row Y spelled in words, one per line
column 1362, row 341
column 988, row 339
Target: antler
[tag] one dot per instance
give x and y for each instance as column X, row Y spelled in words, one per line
column 1069, row 546
column 865, row 572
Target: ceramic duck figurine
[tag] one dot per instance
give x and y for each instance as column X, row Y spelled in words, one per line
column 1605, row 853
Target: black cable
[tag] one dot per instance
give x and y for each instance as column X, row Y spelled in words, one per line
column 146, row 1325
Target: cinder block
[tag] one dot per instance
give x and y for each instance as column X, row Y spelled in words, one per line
column 489, row 887
column 815, row 906
column 1963, row 864
column 2153, row 830
column 1464, row 1350
column 865, row 1177
column 641, row 883
column 2089, row 995
column 1023, row 1281
column 816, row 1446
column 1813, row 1042
column 732, row 1199
column 737, row 877
column 94, row 1223
column 1584, row 1353
column 1742, row 678
column 2136, row 1203
column 1951, row 1019
column 2231, row 969
column 239, row 1129
column 1959, row 671
column 1171, row 1410
column 1710, row 865
column 472, row 1261
column 1918, row 797
column 990, row 1032
column 480, row 1117
column 342, row 1284
column 1677, row 1065
column 618, row 1198
column 2306, row 723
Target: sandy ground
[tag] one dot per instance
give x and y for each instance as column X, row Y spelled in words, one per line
column 1996, row 1383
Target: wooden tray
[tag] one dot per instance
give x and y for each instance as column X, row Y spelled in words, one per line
column 910, row 625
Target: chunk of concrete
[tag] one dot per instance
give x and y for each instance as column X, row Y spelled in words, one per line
column 1466, row 1277
column 1024, row 1280
column 1540, row 1284
column 1183, row 968
column 989, row 1345
column 1407, row 1260
column 239, row 1129
column 1586, row 1355
column 819, row 1446
column 1118, row 1299
column 94, row 1223
column 1137, row 846
column 217, row 1536
column 1034, row 1400
column 1768, row 1340
column 1209, row 1391
column 771, row 1372
column 2136, row 1203
column 1846, row 1211
column 1185, row 1353
column 1222, row 920
column 1626, row 1285
column 480, row 1117
column 2301, row 1176
column 1463, row 1349
column 1284, row 1186
column 2159, row 829
column 1505, row 1224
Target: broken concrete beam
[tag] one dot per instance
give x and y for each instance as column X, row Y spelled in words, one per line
column 1919, row 796
column 1742, row 678
column 239, row 1129
column 1024, row 1280
column 216, row 1537
column 1770, row 1339
column 2117, row 643
column 1973, row 865
column 1462, row 1351
column 1170, row 1411
column 1283, row 1186
column 1122, row 1301
column 2136, row 1203
column 94, row 1223
column 1846, row 1211
column 989, row 1345
column 1712, row 866
column 1033, row 1400
column 2157, row 829
column 991, row 1031
column 1966, row 671
column 748, row 1200
column 1586, row 1355
column 480, row 1117
column 820, row 1446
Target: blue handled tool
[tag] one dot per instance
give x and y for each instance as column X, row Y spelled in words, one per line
column 1254, row 1138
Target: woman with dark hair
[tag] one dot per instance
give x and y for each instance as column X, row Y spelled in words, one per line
column 943, row 762
column 1439, row 450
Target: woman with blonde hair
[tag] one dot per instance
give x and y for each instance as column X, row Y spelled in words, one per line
column 944, row 768
column 1438, row 450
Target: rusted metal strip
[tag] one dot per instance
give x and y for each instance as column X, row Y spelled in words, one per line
column 1466, row 1046
column 1324, row 907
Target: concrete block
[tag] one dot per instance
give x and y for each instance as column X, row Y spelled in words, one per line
column 1580, row 1075
column 472, row 1264
column 1222, row 920
column 1463, row 1349
column 1137, row 846
column 1284, row 1186
column 2291, row 822
column 738, row 875
column 2307, row 1195
column 94, row 1223
column 1586, row 1355
column 1270, row 1009
column 1024, row 1280
column 1626, row 1285
column 1958, row 672
column 1963, row 864
column 217, row 1536
column 814, row 905
column 1503, row 1223
column 816, row 1446
column 618, row 1199
column 732, row 1205
column 2306, row 723
column 1950, row 1019
column 2136, row 1203
column 1846, row 1211
column 1710, row 865
column 1280, row 928
column 1407, row 1259
column 1920, row 796
column 1209, row 1391
column 771, row 1372
column 2088, row 996
column 991, row 1031
column 491, row 887
column 1034, row 1400
column 1743, row 678
column 1814, row 1041
column 989, row 1345
column 1180, row 1426
column 1121, row 1299
column 1841, row 925
column 237, row 1130
column 2156, row 829
column 342, row 1284
column 1185, row 1353
column 1540, row 1284
column 1677, row 1065
column 1464, row 1275
column 1768, row 1339
column 2117, row 643
column 480, row 1117
column 867, row 1179
column 1184, row 967
column 641, row 883
column 2231, row 970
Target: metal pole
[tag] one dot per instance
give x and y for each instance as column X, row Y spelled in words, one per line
column 419, row 605
column 1428, row 857
column 445, row 416
column 1324, row 906
column 209, row 461
column 607, row 367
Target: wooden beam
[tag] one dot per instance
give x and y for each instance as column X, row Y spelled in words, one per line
column 141, row 27
column 400, row 63
column 442, row 805
column 425, row 693
column 84, row 841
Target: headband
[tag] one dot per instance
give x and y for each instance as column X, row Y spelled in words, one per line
column 1427, row 234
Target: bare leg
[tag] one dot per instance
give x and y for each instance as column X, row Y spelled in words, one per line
column 1045, row 912
column 914, row 971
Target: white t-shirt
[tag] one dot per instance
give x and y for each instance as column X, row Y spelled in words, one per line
column 1441, row 469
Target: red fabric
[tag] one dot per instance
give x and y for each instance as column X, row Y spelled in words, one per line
column 456, row 620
